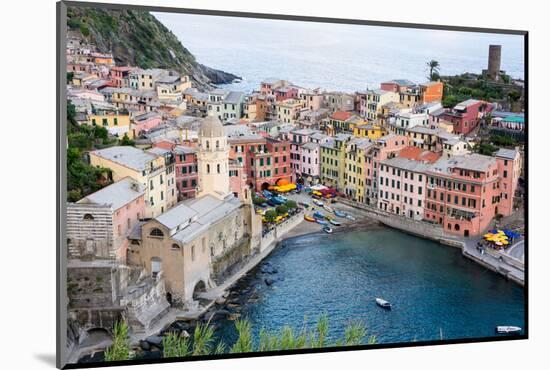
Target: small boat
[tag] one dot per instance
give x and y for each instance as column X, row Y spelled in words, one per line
column 334, row 222
column 328, row 208
column 339, row 213
column 318, row 202
column 327, row 229
column 309, row 218
column 318, row 214
column 305, row 204
column 350, row 217
column 383, row 303
column 508, row 329
column 322, row 222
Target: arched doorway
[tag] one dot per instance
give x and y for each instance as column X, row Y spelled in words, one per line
column 95, row 335
column 200, row 287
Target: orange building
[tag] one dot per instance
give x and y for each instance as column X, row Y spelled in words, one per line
column 431, row 91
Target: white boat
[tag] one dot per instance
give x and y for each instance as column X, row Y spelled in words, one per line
column 318, row 202
column 350, row 217
column 383, row 303
column 327, row 229
column 328, row 208
column 508, row 329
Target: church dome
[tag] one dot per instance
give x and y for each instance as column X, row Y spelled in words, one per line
column 211, row 127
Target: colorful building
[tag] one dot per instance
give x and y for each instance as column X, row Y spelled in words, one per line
column 402, row 183
column 115, row 122
column 509, row 167
column 333, row 161
column 463, row 193
column 121, row 205
column 149, row 169
column 354, row 183
column 372, row 132
column 288, row 111
column 466, row 116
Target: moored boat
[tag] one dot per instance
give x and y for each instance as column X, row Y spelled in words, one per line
column 334, row 222
column 319, row 215
column 309, row 218
column 350, row 217
column 383, row 303
column 340, row 213
column 321, row 222
column 327, row 229
column 318, row 202
column 328, row 208
column 508, row 329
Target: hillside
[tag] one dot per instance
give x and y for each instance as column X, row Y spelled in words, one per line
column 138, row 38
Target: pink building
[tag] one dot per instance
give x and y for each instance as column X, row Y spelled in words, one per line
column 463, row 193
column 285, row 93
column 186, row 171
column 402, row 187
column 385, row 147
column 143, row 123
column 124, row 201
column 237, row 178
column 400, row 85
column 466, row 116
column 120, row 76
column 509, row 167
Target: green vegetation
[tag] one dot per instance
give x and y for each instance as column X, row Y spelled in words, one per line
column 120, row 350
column 203, row 343
column 135, row 37
column 433, row 66
column 501, row 140
column 463, row 87
column 270, row 215
column 258, row 200
column 290, row 204
column 126, row 141
column 82, row 178
column 485, row 149
column 281, row 210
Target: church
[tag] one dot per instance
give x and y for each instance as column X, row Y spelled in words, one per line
column 200, row 242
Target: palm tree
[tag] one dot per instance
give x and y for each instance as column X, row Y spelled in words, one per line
column 433, row 65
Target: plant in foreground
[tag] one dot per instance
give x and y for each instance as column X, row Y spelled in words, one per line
column 203, row 343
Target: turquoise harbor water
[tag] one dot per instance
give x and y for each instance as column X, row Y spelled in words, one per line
column 432, row 288
column 334, row 56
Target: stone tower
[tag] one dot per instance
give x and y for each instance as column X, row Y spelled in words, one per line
column 493, row 67
column 213, row 159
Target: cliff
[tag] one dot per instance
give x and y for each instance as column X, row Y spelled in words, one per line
column 138, row 38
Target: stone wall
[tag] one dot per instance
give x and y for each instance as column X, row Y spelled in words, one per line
column 415, row 227
column 226, row 264
column 89, row 231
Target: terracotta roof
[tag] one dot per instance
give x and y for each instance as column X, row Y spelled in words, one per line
column 419, row 154
column 341, row 116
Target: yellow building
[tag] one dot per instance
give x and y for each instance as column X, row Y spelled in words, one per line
column 333, row 161
column 374, row 100
column 354, row 173
column 369, row 131
column 288, row 111
column 114, row 122
column 152, row 170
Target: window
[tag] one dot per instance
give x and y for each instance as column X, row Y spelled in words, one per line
column 207, row 168
column 175, row 247
column 115, row 121
column 88, row 216
column 156, row 232
column 192, row 253
column 218, row 167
